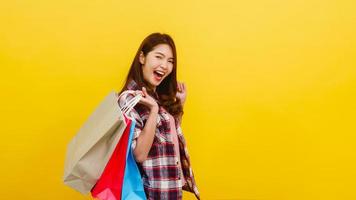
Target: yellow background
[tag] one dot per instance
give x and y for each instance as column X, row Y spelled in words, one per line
column 270, row 113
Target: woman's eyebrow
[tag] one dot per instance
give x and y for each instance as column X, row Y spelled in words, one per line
column 162, row 54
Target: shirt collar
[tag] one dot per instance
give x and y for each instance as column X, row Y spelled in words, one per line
column 132, row 85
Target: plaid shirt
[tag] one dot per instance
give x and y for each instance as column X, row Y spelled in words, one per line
column 161, row 172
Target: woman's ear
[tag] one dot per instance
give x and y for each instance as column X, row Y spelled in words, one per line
column 142, row 58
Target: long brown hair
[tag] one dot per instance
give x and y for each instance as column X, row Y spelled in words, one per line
column 167, row 89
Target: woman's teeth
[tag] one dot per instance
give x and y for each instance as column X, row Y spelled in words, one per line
column 158, row 73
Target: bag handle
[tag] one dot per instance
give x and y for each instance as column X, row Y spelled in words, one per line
column 128, row 106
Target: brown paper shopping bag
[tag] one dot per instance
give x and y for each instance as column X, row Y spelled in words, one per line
column 90, row 149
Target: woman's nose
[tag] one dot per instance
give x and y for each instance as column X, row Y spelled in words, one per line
column 164, row 64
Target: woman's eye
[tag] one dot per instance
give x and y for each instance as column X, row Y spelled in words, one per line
column 158, row 57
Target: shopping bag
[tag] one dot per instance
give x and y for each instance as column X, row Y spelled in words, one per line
column 109, row 185
column 132, row 188
column 91, row 148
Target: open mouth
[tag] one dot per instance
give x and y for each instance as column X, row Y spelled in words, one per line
column 158, row 74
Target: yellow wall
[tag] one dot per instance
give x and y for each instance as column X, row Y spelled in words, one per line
column 270, row 112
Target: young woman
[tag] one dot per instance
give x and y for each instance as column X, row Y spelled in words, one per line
column 159, row 146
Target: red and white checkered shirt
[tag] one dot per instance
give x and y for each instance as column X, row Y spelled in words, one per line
column 161, row 171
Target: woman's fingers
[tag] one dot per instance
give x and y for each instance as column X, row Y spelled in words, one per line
column 183, row 87
column 138, row 92
column 144, row 91
column 179, row 87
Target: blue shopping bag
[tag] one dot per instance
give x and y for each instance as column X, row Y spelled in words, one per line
column 132, row 188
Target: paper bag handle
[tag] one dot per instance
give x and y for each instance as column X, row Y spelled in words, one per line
column 128, row 106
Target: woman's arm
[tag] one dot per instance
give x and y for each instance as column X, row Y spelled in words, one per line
column 145, row 140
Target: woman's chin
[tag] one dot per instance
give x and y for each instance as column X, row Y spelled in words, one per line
column 155, row 83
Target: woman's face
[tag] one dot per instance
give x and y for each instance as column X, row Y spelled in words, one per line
column 157, row 64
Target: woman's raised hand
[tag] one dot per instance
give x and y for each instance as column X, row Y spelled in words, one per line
column 181, row 92
column 146, row 99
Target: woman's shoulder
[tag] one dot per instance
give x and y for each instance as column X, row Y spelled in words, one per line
column 124, row 97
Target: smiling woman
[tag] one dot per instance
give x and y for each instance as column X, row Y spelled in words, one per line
column 157, row 64
column 158, row 144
